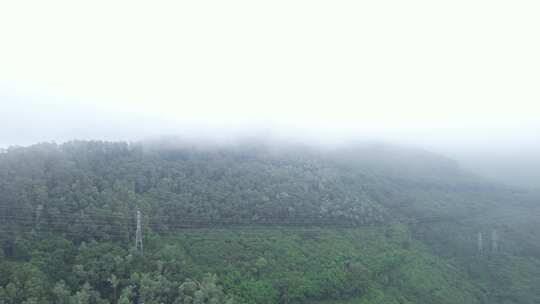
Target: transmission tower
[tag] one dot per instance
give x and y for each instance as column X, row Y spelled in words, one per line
column 494, row 241
column 138, row 235
column 480, row 244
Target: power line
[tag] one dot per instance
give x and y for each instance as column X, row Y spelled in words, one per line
column 109, row 222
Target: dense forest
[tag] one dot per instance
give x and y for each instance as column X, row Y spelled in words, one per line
column 259, row 223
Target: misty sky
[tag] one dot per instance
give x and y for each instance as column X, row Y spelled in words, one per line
column 452, row 76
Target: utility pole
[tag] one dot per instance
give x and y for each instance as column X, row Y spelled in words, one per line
column 138, row 235
column 480, row 244
column 494, row 241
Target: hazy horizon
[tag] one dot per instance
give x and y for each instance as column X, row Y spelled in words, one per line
column 459, row 79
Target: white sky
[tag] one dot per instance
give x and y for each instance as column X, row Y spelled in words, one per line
column 436, row 72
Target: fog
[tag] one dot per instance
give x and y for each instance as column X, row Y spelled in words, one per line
column 460, row 78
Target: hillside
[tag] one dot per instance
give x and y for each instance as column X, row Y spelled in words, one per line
column 369, row 223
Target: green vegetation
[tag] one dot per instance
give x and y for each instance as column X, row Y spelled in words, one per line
column 257, row 223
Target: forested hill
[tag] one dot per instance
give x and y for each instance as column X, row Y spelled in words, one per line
column 67, row 225
column 251, row 183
